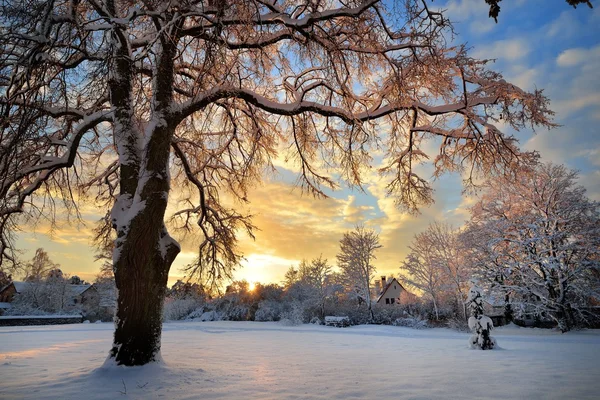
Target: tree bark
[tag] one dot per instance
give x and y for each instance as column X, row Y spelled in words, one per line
column 141, row 275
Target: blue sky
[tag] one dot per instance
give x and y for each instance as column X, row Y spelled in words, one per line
column 536, row 43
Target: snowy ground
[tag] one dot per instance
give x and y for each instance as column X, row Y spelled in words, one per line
column 241, row 360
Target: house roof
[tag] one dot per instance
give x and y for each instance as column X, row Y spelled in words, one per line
column 387, row 286
column 77, row 290
column 21, row 286
column 494, row 302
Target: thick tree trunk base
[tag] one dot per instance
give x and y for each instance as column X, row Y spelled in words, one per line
column 138, row 324
column 141, row 277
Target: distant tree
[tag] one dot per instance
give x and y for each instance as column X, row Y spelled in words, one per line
column 291, row 276
column 480, row 324
column 299, row 287
column 57, row 293
column 75, row 280
column 495, row 6
column 55, row 273
column 181, row 289
column 537, row 237
column 40, row 266
column 318, row 278
column 126, row 100
column 355, row 260
column 422, row 270
column 445, row 251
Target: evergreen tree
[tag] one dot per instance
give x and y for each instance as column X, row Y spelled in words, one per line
column 478, row 322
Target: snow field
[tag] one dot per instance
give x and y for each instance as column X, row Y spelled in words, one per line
column 259, row 360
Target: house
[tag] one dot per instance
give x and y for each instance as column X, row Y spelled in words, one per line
column 8, row 292
column 494, row 308
column 391, row 291
column 83, row 294
column 77, row 296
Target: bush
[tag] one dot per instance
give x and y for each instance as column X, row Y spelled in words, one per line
column 293, row 316
column 268, row 310
column 411, row 322
column 205, row 315
column 387, row 315
column 176, row 309
column 458, row 324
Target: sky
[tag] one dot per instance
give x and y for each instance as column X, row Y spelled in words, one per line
column 536, row 44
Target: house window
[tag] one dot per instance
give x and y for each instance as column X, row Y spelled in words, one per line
column 387, row 301
column 394, row 286
column 392, row 301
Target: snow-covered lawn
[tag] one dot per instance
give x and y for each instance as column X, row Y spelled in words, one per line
column 241, row 360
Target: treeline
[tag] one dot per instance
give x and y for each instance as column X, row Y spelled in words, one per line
column 309, row 292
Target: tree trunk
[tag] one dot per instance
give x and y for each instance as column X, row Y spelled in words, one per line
column 508, row 311
column 435, row 308
column 141, row 275
column 143, row 255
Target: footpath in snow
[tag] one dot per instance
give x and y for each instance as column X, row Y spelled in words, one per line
column 257, row 360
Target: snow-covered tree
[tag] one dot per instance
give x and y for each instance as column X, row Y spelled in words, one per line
column 537, row 237
column 440, row 246
column 426, row 268
column 75, row 280
column 56, row 291
column 318, row 273
column 125, row 100
column 40, row 267
column 355, row 260
column 480, row 325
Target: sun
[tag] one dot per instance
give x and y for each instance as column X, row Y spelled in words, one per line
column 251, row 286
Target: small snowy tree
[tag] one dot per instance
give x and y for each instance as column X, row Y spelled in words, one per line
column 421, row 270
column 357, row 251
column 479, row 324
column 436, row 267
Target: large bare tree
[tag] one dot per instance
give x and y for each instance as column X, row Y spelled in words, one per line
column 124, row 100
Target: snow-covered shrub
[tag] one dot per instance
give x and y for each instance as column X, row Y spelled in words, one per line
column 232, row 307
column 204, row 313
column 386, row 315
column 479, row 324
column 268, row 310
column 176, row 309
column 358, row 314
column 411, row 322
column 458, row 323
column 294, row 315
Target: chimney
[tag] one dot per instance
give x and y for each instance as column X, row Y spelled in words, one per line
column 383, row 282
column 378, row 287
